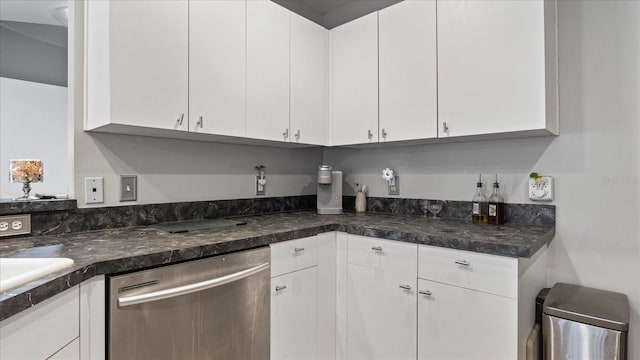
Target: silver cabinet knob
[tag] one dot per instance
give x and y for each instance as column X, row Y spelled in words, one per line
column 297, row 135
column 445, row 128
column 369, row 134
column 180, row 119
column 200, row 122
column 278, row 288
column 384, row 134
column 376, row 248
column 424, row 292
column 285, row 134
column 298, row 249
column 463, row 262
column 405, row 287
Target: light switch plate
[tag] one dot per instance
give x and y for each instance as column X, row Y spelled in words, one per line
column 128, row 188
column 93, row 190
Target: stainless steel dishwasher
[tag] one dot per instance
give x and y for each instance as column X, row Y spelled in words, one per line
column 213, row 308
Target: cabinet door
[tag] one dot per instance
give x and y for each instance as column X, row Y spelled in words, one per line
column 309, row 82
column 41, row 331
column 491, row 66
column 354, row 81
column 267, row 71
column 294, row 315
column 408, row 71
column 217, row 73
column 381, row 316
column 458, row 323
column 148, row 50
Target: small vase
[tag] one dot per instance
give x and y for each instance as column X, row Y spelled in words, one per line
column 361, row 202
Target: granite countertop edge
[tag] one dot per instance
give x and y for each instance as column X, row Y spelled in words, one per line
column 24, row 297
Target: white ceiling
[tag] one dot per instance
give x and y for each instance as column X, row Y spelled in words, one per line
column 31, row 11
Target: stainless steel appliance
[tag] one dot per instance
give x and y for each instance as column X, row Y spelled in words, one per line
column 585, row 323
column 214, row 308
column 329, row 190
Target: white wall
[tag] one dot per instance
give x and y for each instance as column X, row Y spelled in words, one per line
column 33, row 123
column 595, row 161
column 178, row 170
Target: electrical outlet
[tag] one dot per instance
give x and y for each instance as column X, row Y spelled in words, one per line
column 93, row 190
column 15, row 224
column 261, row 185
column 128, row 188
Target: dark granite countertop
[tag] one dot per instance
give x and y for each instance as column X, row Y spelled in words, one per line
column 132, row 248
column 11, row 207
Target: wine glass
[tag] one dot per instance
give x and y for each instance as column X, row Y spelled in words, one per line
column 434, row 207
column 424, row 205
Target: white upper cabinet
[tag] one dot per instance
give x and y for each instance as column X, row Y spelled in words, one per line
column 309, row 121
column 496, row 67
column 408, row 76
column 217, row 60
column 267, row 71
column 354, row 81
column 137, row 71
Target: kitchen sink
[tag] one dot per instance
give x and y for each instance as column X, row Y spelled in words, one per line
column 15, row 272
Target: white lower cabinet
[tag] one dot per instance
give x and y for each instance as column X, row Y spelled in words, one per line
column 381, row 299
column 459, row 323
column 294, row 315
column 303, row 298
column 43, row 330
column 69, row 352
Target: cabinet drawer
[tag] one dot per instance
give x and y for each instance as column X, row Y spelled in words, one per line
column 387, row 255
column 489, row 273
column 39, row 332
column 294, row 255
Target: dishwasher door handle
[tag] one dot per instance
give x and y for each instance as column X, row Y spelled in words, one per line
column 190, row 288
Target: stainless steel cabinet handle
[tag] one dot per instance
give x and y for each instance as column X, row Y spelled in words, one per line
column 278, row 288
column 286, row 134
column 297, row 135
column 445, row 128
column 200, row 122
column 376, row 248
column 424, row 292
column 369, row 134
column 180, row 119
column 190, row 288
column 405, row 287
column 384, row 134
column 298, row 249
column 462, row 262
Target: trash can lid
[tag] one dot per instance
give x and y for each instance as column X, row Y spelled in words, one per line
column 588, row 305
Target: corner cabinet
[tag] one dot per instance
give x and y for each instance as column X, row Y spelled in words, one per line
column 137, row 65
column 354, row 81
column 408, row 90
column 381, row 299
column 497, row 67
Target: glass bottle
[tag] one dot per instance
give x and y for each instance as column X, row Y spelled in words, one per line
column 496, row 205
column 479, row 203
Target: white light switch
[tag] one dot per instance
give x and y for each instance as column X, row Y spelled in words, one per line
column 93, row 190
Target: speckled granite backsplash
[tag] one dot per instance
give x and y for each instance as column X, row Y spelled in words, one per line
column 63, row 216
column 70, row 220
column 523, row 214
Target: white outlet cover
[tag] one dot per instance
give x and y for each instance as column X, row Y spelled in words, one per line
column 541, row 189
column 93, row 190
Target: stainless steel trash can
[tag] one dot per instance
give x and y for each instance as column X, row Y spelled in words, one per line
column 584, row 323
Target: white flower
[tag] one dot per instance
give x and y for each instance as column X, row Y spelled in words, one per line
column 387, row 174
